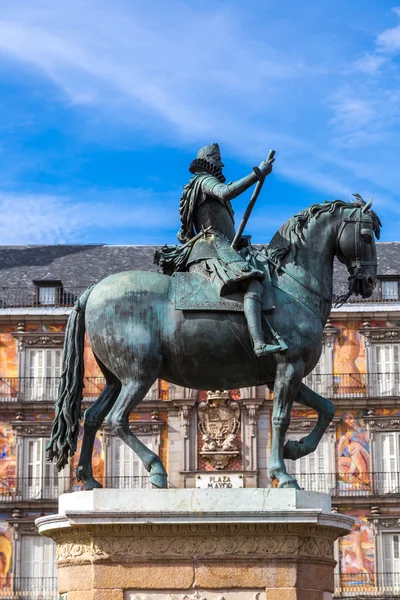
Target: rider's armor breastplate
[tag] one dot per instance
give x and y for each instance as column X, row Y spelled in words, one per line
column 216, row 214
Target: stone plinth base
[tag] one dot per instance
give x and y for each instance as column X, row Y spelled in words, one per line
column 195, row 544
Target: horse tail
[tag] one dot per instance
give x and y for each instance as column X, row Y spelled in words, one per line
column 65, row 429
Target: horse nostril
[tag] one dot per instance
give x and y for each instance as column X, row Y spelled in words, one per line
column 370, row 280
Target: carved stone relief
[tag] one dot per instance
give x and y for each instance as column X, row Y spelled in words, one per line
column 134, row 542
column 242, row 594
column 219, row 424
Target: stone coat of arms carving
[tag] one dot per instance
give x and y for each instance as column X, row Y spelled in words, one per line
column 219, row 424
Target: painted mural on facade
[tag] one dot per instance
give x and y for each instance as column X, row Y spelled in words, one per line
column 349, row 364
column 6, row 552
column 8, row 460
column 98, row 458
column 353, row 452
column 357, row 552
column 8, row 359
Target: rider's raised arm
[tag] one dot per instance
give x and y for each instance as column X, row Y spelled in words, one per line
column 230, row 191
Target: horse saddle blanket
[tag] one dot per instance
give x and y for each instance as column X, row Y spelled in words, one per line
column 194, row 292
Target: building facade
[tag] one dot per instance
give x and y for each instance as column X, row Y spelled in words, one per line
column 218, row 439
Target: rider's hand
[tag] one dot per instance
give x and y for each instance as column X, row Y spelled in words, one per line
column 266, row 166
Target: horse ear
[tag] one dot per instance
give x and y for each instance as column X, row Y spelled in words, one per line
column 366, row 208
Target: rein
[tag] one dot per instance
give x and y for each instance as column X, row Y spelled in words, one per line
column 355, row 265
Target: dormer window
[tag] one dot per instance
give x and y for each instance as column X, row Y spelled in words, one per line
column 390, row 290
column 48, row 291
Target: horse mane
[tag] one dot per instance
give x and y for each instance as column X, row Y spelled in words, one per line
column 290, row 236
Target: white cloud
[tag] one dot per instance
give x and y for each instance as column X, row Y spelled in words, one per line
column 370, row 63
column 28, row 218
column 187, row 75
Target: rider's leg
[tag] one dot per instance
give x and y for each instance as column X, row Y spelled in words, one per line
column 253, row 313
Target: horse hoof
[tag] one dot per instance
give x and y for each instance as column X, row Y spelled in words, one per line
column 293, row 449
column 159, row 480
column 91, row 485
column 289, row 483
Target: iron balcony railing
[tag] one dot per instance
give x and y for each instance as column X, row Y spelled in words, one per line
column 355, row 385
column 45, row 389
column 367, row 585
column 340, row 484
column 379, row 295
column 31, row 489
column 26, row 588
column 345, row 484
column 24, row 297
column 30, row 297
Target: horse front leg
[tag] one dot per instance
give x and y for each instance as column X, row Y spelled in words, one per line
column 118, row 419
column 287, row 381
column 325, row 409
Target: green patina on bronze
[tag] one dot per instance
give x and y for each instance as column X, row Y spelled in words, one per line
column 138, row 335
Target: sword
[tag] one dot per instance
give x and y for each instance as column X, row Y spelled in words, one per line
column 250, row 207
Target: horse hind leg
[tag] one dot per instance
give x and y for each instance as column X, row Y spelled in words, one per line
column 295, row 449
column 93, row 419
column 287, row 382
column 131, row 394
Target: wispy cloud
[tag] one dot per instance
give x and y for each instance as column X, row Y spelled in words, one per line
column 182, row 74
column 51, row 219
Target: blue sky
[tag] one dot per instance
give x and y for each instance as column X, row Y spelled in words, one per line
column 104, row 104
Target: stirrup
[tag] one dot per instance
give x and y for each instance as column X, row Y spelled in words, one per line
column 263, row 349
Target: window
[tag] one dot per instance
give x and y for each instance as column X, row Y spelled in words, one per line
column 47, row 295
column 153, row 393
column 40, row 477
column 43, row 370
column 391, row 561
column 313, row 471
column 387, row 382
column 127, row 470
column 388, row 478
column 38, row 566
column 390, row 290
column 318, row 380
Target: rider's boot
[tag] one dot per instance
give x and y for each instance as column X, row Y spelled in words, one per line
column 253, row 313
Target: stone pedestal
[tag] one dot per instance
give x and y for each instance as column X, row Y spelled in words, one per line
column 195, row 544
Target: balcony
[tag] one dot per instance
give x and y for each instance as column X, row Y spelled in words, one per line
column 355, row 385
column 30, row 297
column 367, row 585
column 39, row 489
column 32, row 588
column 45, row 389
column 380, row 295
column 340, row 485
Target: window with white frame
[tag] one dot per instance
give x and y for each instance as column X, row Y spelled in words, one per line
column 315, row 472
column 388, row 450
column 390, row 290
column 316, row 380
column 391, row 561
column 47, row 295
column 40, row 477
column 43, row 370
column 387, row 367
column 38, row 566
column 127, row 469
column 153, row 393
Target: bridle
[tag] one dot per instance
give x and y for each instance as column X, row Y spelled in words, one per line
column 357, row 265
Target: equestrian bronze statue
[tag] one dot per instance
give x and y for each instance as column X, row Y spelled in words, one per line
column 220, row 315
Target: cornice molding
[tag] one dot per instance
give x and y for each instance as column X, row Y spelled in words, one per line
column 35, row 338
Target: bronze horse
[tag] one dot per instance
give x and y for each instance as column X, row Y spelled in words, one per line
column 138, row 336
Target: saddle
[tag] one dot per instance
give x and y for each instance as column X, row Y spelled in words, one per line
column 192, row 291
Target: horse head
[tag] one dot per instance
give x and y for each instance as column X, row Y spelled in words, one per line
column 356, row 246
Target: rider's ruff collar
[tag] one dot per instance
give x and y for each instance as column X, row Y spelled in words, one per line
column 202, row 165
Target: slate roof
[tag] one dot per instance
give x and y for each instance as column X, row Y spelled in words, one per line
column 79, row 265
